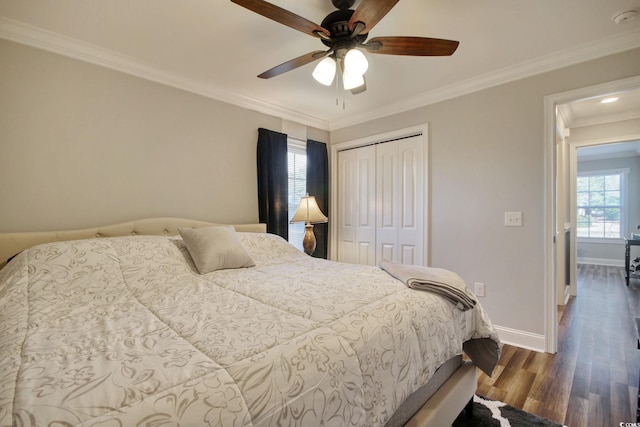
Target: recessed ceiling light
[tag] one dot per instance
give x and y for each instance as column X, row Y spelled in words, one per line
column 609, row 100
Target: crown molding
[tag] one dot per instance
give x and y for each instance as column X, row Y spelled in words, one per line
column 29, row 35
column 607, row 156
column 25, row 34
column 606, row 118
column 564, row 58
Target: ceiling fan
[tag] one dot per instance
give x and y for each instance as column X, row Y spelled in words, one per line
column 342, row 31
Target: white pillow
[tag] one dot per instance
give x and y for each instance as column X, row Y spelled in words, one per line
column 215, row 248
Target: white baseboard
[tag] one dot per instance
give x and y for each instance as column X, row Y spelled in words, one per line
column 523, row 339
column 601, row 261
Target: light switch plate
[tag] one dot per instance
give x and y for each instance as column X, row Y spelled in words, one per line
column 513, row 219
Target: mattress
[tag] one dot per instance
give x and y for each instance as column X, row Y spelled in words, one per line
column 415, row 400
column 126, row 331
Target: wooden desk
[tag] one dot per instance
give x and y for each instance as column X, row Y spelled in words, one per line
column 627, row 255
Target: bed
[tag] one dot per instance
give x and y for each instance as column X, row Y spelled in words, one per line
column 125, row 325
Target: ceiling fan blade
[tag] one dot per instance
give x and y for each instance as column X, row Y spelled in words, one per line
column 282, row 16
column 294, row 63
column 370, row 12
column 413, row 46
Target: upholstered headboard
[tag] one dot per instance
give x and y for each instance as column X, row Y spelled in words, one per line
column 13, row 243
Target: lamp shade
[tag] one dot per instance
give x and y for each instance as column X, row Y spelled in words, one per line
column 308, row 211
column 325, row 71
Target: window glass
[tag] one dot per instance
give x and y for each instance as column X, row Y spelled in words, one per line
column 600, row 201
column 297, row 162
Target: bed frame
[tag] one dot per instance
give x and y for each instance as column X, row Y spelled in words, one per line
column 441, row 409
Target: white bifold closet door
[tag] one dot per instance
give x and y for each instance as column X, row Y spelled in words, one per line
column 381, row 202
column 357, row 205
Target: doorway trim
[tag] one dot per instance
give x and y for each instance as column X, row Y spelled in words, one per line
column 550, row 181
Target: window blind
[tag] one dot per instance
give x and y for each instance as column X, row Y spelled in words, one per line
column 297, row 162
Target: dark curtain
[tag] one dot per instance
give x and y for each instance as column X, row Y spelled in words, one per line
column 273, row 182
column 318, row 186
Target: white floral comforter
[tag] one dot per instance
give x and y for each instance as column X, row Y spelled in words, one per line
column 124, row 332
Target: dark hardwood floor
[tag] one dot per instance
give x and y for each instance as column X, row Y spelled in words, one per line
column 593, row 379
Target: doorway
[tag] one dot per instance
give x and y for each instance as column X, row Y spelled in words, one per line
column 561, row 169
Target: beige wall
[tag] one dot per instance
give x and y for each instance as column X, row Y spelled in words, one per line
column 486, row 157
column 81, row 145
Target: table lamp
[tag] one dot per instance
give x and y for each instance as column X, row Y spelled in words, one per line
column 309, row 213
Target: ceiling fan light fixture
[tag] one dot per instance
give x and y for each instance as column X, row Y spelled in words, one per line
column 325, row 71
column 351, row 81
column 344, row 30
column 355, row 63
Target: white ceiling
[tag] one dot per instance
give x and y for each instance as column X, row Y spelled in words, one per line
column 592, row 111
column 608, row 151
column 217, row 48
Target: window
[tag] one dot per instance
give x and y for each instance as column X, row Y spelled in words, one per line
column 297, row 162
column 600, row 202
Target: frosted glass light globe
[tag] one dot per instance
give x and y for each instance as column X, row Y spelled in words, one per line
column 350, row 81
column 325, row 71
column 355, row 63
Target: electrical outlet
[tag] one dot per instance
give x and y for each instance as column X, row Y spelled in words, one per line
column 513, row 219
column 479, row 289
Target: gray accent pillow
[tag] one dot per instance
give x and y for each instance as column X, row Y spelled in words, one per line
column 215, row 248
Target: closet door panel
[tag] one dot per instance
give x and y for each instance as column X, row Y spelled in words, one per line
column 366, row 230
column 387, row 252
column 356, row 201
column 347, row 213
column 387, row 202
column 411, row 200
column 408, row 255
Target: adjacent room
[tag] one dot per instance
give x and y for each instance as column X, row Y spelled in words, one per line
column 329, row 212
